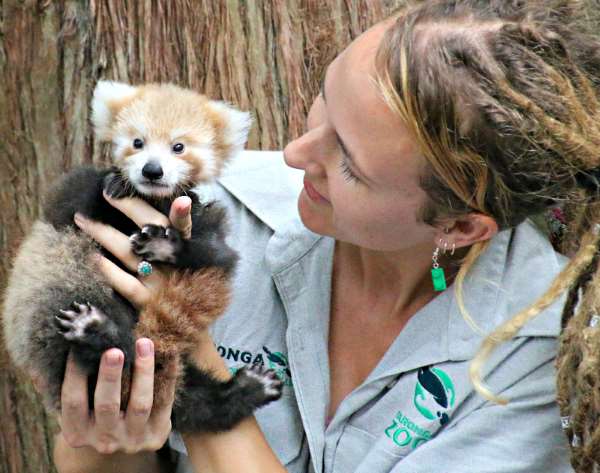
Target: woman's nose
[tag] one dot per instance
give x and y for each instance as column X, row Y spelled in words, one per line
column 304, row 153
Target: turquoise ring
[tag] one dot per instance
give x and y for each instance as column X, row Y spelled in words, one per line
column 144, row 268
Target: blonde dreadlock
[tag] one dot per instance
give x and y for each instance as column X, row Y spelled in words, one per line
column 503, row 99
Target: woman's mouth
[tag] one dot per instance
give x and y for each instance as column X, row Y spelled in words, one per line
column 312, row 193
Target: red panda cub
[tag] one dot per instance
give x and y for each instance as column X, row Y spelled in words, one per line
column 165, row 141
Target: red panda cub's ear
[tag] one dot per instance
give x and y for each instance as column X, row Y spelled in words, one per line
column 237, row 125
column 109, row 98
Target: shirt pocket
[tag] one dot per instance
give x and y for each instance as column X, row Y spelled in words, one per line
column 280, row 422
column 361, row 452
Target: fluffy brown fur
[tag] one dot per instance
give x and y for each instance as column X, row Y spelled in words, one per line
column 33, row 283
column 175, row 317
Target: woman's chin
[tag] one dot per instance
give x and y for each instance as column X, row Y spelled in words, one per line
column 314, row 217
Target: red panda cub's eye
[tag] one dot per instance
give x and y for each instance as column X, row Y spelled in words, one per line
column 138, row 144
column 178, row 148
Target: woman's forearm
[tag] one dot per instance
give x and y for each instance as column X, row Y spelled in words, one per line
column 88, row 460
column 244, row 448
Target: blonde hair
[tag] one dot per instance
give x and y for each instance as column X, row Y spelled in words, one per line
column 502, row 98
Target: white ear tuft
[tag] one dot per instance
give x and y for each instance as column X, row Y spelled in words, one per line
column 108, row 93
column 238, row 125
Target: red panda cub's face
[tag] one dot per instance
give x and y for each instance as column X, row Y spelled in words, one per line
column 166, row 138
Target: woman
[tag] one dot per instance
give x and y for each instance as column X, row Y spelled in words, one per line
column 435, row 135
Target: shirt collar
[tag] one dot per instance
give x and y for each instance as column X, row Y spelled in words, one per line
column 269, row 189
column 262, row 182
column 514, row 272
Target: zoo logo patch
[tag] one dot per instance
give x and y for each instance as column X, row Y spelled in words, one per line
column 434, row 397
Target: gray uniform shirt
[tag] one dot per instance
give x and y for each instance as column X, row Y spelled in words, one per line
column 417, row 411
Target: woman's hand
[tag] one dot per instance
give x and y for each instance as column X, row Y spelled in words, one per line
column 140, row 427
column 137, row 291
column 108, row 429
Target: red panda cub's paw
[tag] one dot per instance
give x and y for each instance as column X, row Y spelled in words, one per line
column 262, row 384
column 117, row 186
column 155, row 243
column 89, row 331
column 81, row 321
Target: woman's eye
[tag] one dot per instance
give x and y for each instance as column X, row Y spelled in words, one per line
column 138, row 143
column 178, row 148
column 349, row 176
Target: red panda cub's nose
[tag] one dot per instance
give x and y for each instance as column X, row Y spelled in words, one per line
column 152, row 171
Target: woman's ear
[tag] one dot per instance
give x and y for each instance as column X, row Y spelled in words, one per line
column 466, row 230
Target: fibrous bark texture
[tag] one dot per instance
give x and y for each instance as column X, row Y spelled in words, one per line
column 266, row 56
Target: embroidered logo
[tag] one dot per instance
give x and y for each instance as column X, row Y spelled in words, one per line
column 279, row 363
column 434, row 397
column 275, row 360
column 404, row 432
column 434, row 394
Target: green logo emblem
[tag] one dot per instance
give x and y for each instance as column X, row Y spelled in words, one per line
column 278, row 362
column 434, row 394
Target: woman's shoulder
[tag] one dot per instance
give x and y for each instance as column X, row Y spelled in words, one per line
column 515, row 271
column 530, row 269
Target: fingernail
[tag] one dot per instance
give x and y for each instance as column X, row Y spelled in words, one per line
column 106, row 196
column 79, row 219
column 113, row 358
column 184, row 205
column 144, row 347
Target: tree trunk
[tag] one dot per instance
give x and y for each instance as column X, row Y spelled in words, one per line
column 264, row 56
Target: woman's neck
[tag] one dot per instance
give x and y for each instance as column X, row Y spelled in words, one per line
column 399, row 281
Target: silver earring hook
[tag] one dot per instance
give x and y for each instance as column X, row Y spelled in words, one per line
column 434, row 258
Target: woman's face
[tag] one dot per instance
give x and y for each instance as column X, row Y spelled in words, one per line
column 361, row 167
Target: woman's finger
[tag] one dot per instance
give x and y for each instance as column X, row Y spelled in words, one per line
column 107, row 397
column 142, row 388
column 74, row 416
column 180, row 215
column 130, row 287
column 109, row 238
column 139, row 211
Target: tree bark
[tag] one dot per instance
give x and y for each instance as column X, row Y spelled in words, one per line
column 266, row 56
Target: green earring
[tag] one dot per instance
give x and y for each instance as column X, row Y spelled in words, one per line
column 437, row 274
